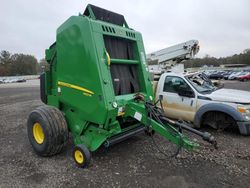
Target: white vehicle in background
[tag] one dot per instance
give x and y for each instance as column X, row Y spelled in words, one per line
column 234, row 75
column 7, row 80
column 244, row 73
column 193, row 98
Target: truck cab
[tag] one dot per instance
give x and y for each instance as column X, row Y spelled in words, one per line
column 194, row 98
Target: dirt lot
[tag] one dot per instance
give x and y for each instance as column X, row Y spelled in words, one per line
column 133, row 163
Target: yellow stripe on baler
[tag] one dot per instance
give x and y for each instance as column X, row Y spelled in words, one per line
column 75, row 87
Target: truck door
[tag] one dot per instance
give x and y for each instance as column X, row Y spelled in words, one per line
column 179, row 100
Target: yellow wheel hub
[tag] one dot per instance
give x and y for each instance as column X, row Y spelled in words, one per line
column 38, row 133
column 79, row 157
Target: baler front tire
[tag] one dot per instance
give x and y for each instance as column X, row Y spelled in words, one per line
column 81, row 155
column 47, row 130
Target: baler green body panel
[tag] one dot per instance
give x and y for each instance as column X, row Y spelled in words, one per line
column 81, row 60
column 78, row 64
column 84, row 83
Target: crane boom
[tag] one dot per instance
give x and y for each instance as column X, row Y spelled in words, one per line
column 167, row 57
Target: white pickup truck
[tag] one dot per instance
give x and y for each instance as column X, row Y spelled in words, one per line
column 193, row 98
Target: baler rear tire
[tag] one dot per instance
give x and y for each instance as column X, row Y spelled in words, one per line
column 47, row 130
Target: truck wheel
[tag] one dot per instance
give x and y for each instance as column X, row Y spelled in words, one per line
column 81, row 155
column 47, row 130
column 218, row 120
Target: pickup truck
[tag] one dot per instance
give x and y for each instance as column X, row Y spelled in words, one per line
column 194, row 98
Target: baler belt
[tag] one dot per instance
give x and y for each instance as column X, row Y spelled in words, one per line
column 125, row 79
column 119, row 48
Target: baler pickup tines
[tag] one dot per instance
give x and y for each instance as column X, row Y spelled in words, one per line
column 123, row 136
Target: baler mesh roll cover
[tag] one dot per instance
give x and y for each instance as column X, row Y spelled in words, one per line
column 125, row 78
column 119, row 48
column 105, row 15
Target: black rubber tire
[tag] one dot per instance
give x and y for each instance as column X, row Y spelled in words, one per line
column 85, row 154
column 218, row 120
column 54, row 127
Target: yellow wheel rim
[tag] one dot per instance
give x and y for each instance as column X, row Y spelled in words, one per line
column 38, row 133
column 79, row 157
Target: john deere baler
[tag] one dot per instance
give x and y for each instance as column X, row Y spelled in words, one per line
column 97, row 88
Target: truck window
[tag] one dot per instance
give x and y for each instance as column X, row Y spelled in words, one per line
column 172, row 84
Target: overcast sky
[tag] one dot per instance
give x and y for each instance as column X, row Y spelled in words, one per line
column 221, row 26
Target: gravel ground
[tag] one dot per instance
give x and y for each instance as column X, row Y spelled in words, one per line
column 133, row 163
